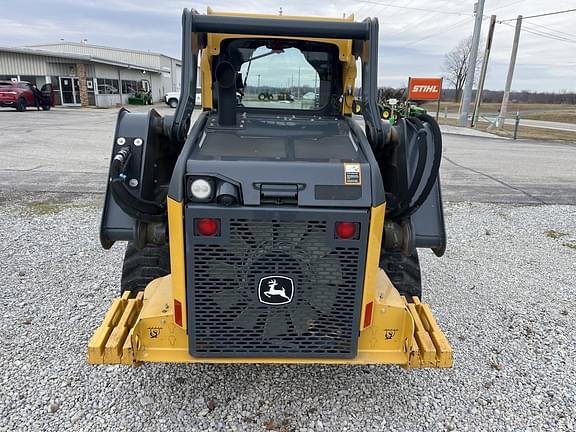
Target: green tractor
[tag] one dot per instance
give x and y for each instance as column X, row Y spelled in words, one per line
column 143, row 96
column 391, row 110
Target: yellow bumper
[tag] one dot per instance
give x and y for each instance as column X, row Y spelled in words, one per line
column 142, row 329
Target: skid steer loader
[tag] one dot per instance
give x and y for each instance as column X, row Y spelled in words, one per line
column 273, row 232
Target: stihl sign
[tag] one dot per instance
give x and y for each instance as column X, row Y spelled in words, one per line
column 424, row 88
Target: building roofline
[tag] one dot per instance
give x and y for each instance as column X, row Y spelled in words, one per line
column 83, row 57
column 101, row 47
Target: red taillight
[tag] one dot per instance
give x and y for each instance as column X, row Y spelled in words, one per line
column 178, row 312
column 346, row 230
column 207, row 226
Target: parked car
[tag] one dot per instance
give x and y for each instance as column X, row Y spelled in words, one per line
column 171, row 98
column 20, row 95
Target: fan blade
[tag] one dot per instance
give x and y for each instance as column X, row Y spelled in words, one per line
column 248, row 318
column 226, row 276
column 328, row 270
column 291, row 232
column 223, row 271
column 238, row 245
column 276, row 324
column 227, row 298
column 261, row 231
column 302, row 318
column 313, row 244
column 322, row 297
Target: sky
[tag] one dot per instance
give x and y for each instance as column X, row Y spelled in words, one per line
column 414, row 34
column 288, row 68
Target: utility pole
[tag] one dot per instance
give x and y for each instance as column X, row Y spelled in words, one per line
column 467, row 95
column 504, row 108
column 298, row 90
column 483, row 71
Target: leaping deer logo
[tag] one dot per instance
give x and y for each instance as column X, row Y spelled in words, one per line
column 273, row 291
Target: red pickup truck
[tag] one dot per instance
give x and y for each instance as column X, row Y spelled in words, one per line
column 20, row 95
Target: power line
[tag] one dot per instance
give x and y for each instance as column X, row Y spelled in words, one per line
column 548, row 36
column 415, row 22
column 458, row 24
column 389, row 16
column 544, row 35
column 540, row 15
column 553, row 35
column 509, row 4
column 413, row 8
column 552, row 29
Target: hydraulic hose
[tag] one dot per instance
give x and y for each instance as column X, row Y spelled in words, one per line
column 420, row 141
column 420, row 138
column 138, row 208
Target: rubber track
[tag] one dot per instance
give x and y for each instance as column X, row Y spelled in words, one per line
column 403, row 271
column 142, row 266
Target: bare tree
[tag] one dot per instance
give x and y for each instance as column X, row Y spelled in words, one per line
column 456, row 65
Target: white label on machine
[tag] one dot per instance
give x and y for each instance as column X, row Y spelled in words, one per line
column 352, row 174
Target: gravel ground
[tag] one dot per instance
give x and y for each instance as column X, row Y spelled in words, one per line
column 504, row 294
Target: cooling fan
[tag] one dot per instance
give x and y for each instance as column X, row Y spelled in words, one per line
column 290, row 248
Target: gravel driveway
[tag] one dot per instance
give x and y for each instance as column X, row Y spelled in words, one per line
column 504, row 294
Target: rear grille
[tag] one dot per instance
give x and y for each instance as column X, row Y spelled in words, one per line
column 225, row 276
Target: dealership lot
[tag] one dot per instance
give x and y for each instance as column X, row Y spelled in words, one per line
column 503, row 294
column 67, row 150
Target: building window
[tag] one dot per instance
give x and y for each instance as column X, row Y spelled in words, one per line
column 107, row 86
column 25, row 86
column 130, row 86
column 28, row 78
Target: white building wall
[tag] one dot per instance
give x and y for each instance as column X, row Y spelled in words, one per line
column 171, row 74
column 32, row 64
column 115, row 54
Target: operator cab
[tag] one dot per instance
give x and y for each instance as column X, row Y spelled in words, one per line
column 276, row 76
column 276, row 119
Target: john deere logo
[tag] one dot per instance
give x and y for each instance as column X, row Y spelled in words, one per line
column 275, row 290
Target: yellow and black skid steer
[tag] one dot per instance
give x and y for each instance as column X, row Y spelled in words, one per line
column 273, row 230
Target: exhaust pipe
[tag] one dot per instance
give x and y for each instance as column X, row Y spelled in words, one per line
column 226, row 78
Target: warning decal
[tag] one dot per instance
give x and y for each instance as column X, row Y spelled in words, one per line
column 352, row 174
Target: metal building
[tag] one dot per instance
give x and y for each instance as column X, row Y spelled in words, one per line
column 90, row 75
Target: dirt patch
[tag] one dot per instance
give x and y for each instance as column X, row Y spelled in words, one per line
column 45, row 204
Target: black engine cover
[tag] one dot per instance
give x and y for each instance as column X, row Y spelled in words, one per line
column 276, row 282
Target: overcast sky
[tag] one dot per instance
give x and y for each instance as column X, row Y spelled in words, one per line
column 412, row 41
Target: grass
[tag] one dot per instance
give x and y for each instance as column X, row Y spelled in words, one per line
column 546, row 112
column 562, row 116
column 47, row 208
column 553, row 234
column 42, row 208
column 537, row 133
column 524, row 132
